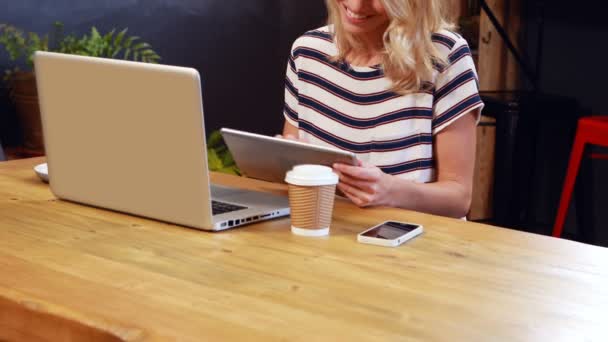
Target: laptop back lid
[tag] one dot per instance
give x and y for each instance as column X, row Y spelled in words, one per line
column 125, row 136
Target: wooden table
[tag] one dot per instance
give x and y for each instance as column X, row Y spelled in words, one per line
column 72, row 271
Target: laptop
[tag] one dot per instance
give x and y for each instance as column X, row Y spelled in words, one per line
column 130, row 137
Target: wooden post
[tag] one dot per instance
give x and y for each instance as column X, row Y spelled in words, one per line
column 457, row 9
column 498, row 69
column 483, row 178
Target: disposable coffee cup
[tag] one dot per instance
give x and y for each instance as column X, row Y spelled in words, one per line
column 311, row 199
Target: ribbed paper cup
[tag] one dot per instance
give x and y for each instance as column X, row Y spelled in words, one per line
column 311, row 209
column 311, row 199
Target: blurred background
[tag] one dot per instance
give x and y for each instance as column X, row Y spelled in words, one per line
column 239, row 47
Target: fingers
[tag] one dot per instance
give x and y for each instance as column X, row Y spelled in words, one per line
column 368, row 173
column 366, row 186
column 360, row 198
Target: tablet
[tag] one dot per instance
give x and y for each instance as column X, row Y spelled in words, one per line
column 269, row 158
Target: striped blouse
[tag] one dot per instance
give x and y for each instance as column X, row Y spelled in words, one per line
column 352, row 108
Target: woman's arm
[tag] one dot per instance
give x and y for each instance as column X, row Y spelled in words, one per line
column 290, row 131
column 450, row 195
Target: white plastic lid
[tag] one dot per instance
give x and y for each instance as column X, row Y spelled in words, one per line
column 311, row 175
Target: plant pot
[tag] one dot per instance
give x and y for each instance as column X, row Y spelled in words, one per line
column 9, row 136
column 25, row 97
column 23, row 83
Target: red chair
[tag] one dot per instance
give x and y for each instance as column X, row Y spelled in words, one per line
column 591, row 130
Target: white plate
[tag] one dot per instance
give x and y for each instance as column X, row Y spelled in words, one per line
column 42, row 171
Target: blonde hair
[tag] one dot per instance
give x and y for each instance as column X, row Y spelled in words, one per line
column 409, row 53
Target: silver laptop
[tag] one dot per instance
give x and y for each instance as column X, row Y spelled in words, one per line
column 130, row 137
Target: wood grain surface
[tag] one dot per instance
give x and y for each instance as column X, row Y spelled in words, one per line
column 73, row 272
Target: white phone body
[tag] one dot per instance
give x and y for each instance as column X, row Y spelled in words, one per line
column 396, row 233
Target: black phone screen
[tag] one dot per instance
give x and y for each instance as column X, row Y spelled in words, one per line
column 390, row 230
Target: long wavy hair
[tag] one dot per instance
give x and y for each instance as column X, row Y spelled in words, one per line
column 409, row 54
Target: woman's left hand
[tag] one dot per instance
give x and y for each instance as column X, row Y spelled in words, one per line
column 366, row 185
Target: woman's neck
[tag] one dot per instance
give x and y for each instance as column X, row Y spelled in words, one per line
column 364, row 58
column 372, row 41
column 366, row 54
column 369, row 49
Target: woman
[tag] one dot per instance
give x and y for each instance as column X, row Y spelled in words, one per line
column 388, row 80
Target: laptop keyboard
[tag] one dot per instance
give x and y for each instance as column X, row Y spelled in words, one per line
column 221, row 207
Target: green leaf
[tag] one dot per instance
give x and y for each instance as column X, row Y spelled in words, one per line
column 44, row 44
column 150, row 55
column 148, row 52
column 215, row 163
column 230, row 170
column 220, row 158
column 140, row 46
column 130, row 41
column 154, row 59
column 95, row 34
column 108, row 36
column 56, row 36
column 215, row 139
column 20, row 46
column 119, row 38
column 227, row 158
column 220, row 148
column 108, row 48
column 116, row 52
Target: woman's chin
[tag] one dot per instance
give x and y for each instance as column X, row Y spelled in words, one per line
column 366, row 28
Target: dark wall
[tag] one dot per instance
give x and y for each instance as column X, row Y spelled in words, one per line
column 574, row 50
column 573, row 54
column 240, row 47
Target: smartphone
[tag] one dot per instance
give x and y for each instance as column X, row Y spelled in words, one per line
column 390, row 233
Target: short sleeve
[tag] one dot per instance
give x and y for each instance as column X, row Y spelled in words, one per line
column 290, row 111
column 456, row 88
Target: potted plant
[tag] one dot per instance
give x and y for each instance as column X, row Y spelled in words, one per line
column 219, row 157
column 21, row 46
